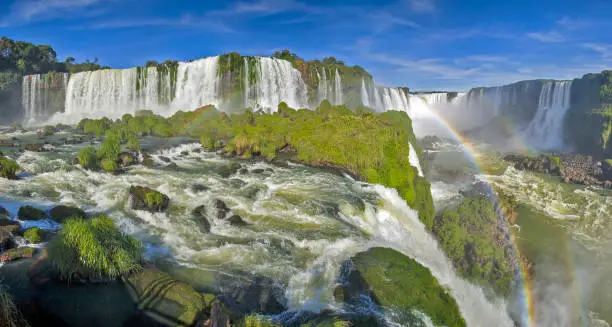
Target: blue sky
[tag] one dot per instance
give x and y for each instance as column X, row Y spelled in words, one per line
column 422, row 44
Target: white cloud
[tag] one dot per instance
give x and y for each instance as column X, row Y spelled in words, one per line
column 605, row 50
column 24, row 11
column 422, row 6
column 548, row 37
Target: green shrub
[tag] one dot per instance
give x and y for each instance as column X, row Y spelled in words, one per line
column 8, row 168
column 109, row 165
column 154, row 199
column 10, row 316
column 255, row 321
column 133, row 143
column 34, row 235
column 87, row 158
column 93, row 249
column 109, row 149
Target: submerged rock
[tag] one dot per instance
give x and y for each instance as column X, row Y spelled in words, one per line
column 144, row 198
column 147, row 161
column 396, row 281
column 257, row 171
column 34, row 147
column 30, row 213
column 200, row 216
column 229, row 170
column 165, row 159
column 196, row 188
column 236, row 220
column 62, row 212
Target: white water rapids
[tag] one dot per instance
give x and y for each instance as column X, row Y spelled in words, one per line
column 303, row 222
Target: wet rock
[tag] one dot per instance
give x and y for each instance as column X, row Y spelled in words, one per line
column 128, row 159
column 8, row 225
column 221, row 208
column 236, row 220
column 30, row 213
column 200, row 215
column 243, row 171
column 230, row 169
column 218, row 317
column 258, row 294
column 257, row 171
column 147, row 199
column 16, row 254
column 171, row 165
column 61, row 213
column 196, row 188
column 197, row 150
column 168, row 300
column 184, row 153
column 165, row 159
column 34, row 147
column 5, row 240
column 148, row 162
column 4, row 213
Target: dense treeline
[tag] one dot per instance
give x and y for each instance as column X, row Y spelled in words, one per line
column 24, row 58
column 372, row 147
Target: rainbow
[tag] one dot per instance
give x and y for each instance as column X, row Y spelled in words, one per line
column 528, row 318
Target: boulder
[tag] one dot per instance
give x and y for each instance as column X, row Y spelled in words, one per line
column 257, row 171
column 8, row 225
column 16, row 254
column 4, row 213
column 165, row 159
column 144, row 198
column 128, row 159
column 30, row 213
column 200, row 216
column 147, row 161
column 236, row 220
column 221, row 209
column 167, row 300
column 62, row 212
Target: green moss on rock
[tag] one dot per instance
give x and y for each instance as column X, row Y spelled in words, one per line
column 34, row 235
column 400, row 283
column 169, row 301
column 145, row 198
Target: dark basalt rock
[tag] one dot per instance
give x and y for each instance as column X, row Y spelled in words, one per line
column 165, row 159
column 257, row 171
column 3, row 211
column 30, row 213
column 5, row 240
column 200, row 215
column 147, row 199
column 147, row 161
column 258, row 294
column 62, row 212
column 221, row 209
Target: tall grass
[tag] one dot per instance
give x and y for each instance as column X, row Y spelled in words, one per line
column 10, row 316
column 94, row 249
column 87, row 158
column 8, row 168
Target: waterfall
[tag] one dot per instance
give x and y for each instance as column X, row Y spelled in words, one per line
column 364, row 94
column 197, row 84
column 435, row 98
column 413, row 158
column 383, row 98
column 545, row 131
column 246, row 83
column 278, row 81
column 338, row 89
column 43, row 95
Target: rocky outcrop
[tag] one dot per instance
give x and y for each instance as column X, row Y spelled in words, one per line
column 16, row 254
column 200, row 216
column 148, row 199
column 572, row 168
column 8, row 225
column 128, row 159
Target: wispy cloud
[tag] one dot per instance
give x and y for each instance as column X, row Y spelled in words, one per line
column 265, row 8
column 480, row 58
column 605, row 50
column 422, row 6
column 186, row 20
column 548, row 37
column 25, row 11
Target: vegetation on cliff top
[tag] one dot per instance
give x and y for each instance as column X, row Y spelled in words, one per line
column 372, row 147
